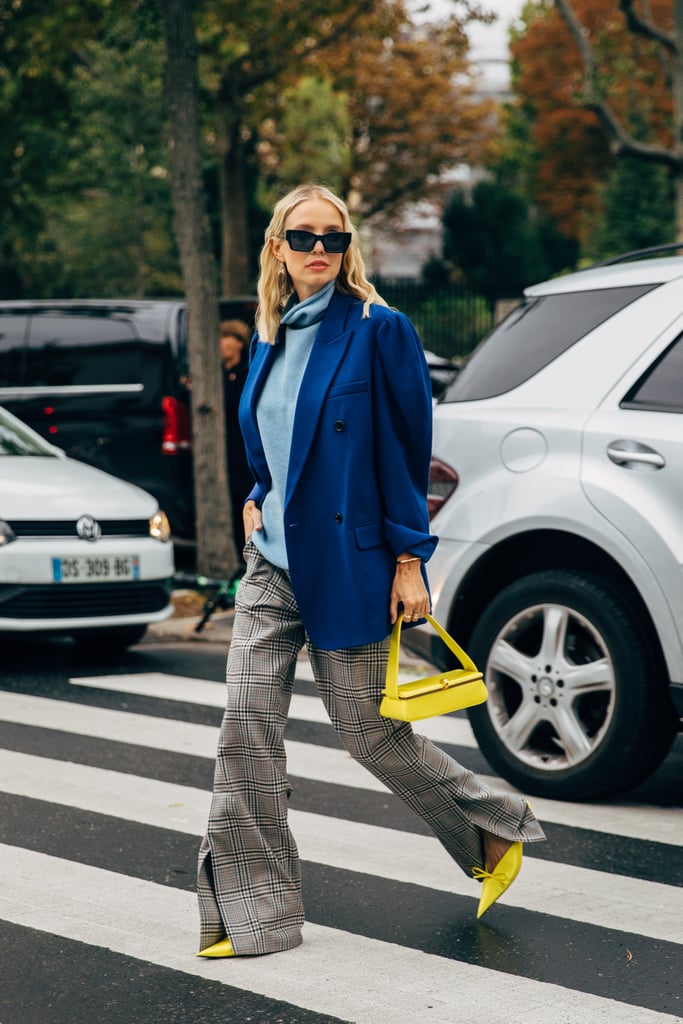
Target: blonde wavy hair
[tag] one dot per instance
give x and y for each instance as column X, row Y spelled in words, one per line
column 275, row 288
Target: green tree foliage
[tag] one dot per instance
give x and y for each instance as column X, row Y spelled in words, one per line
column 412, row 104
column 110, row 197
column 252, row 52
column 494, row 246
column 309, row 141
column 405, row 86
column 84, row 195
column 635, row 210
column 650, row 83
column 556, row 148
column 596, row 82
column 362, row 95
column 36, row 66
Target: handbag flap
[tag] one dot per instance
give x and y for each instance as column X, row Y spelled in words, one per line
column 434, row 684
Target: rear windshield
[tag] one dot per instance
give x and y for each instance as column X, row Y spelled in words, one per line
column 79, row 350
column 534, row 334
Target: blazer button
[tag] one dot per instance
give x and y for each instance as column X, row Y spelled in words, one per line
column 338, row 517
column 339, row 426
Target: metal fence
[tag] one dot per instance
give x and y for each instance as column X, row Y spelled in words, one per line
column 449, row 320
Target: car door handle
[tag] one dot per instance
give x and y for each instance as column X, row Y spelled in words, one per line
column 625, row 452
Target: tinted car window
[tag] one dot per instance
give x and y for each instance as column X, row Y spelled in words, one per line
column 16, row 439
column 72, row 351
column 532, row 336
column 661, row 388
column 12, row 336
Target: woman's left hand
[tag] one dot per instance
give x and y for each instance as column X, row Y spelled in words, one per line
column 409, row 590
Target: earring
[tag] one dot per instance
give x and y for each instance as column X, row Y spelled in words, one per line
column 282, row 282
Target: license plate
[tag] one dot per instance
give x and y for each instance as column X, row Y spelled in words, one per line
column 94, row 568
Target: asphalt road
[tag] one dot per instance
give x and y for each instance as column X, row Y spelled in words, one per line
column 105, row 773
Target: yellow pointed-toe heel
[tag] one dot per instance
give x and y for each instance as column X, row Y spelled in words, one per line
column 494, row 883
column 222, row 948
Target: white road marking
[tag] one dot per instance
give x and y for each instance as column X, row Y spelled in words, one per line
column 162, row 686
column 322, row 764
column 579, row 894
column 390, row 984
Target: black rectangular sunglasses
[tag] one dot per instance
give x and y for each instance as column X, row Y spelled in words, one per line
column 304, row 241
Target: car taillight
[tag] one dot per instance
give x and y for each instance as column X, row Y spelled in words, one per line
column 442, row 482
column 176, row 436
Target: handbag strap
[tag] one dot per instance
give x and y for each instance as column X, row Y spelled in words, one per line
column 391, row 686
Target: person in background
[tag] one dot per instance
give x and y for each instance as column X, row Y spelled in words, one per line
column 234, row 347
column 336, row 415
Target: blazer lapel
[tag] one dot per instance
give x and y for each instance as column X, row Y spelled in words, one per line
column 328, row 351
column 262, row 360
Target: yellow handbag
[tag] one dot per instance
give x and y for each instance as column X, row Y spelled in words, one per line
column 436, row 695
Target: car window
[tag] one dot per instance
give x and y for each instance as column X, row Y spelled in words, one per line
column 73, row 351
column 17, row 439
column 660, row 389
column 12, row 336
column 534, row 334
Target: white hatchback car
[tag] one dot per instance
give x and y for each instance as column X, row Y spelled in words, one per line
column 557, row 494
column 81, row 552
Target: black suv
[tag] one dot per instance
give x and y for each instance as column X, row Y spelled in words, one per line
column 102, row 380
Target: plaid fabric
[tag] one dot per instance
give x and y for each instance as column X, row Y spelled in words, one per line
column 249, row 881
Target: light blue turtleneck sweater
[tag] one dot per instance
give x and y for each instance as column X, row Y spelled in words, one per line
column 275, row 415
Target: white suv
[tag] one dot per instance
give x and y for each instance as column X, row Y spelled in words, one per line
column 557, row 494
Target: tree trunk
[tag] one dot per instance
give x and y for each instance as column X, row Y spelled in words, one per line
column 215, row 543
column 235, row 275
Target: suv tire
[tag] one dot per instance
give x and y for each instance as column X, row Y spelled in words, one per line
column 576, row 708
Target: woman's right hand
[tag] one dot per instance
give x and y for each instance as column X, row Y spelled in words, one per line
column 251, row 514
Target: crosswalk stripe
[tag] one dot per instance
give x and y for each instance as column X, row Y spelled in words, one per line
column 577, row 894
column 391, row 984
column 322, row 764
column 163, row 686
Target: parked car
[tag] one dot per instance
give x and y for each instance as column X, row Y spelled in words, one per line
column 557, row 494
column 442, row 373
column 103, row 380
column 81, row 553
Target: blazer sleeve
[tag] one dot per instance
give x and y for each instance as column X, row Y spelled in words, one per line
column 403, row 435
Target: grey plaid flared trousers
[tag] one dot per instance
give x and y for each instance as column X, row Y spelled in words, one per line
column 249, row 878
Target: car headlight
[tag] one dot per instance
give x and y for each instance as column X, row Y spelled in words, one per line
column 160, row 528
column 7, row 534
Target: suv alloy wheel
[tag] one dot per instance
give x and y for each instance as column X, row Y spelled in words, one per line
column 572, row 712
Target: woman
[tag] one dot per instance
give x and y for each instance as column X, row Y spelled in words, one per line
column 336, row 418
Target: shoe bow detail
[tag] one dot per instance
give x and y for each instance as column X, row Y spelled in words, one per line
column 494, row 883
column 481, row 873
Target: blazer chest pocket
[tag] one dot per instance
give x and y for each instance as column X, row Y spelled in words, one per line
column 351, row 387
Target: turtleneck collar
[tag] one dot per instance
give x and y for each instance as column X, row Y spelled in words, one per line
column 310, row 311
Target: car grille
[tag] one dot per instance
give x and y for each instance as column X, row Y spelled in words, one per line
column 67, row 527
column 76, row 600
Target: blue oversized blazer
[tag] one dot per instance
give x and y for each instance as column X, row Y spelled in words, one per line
column 356, row 492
